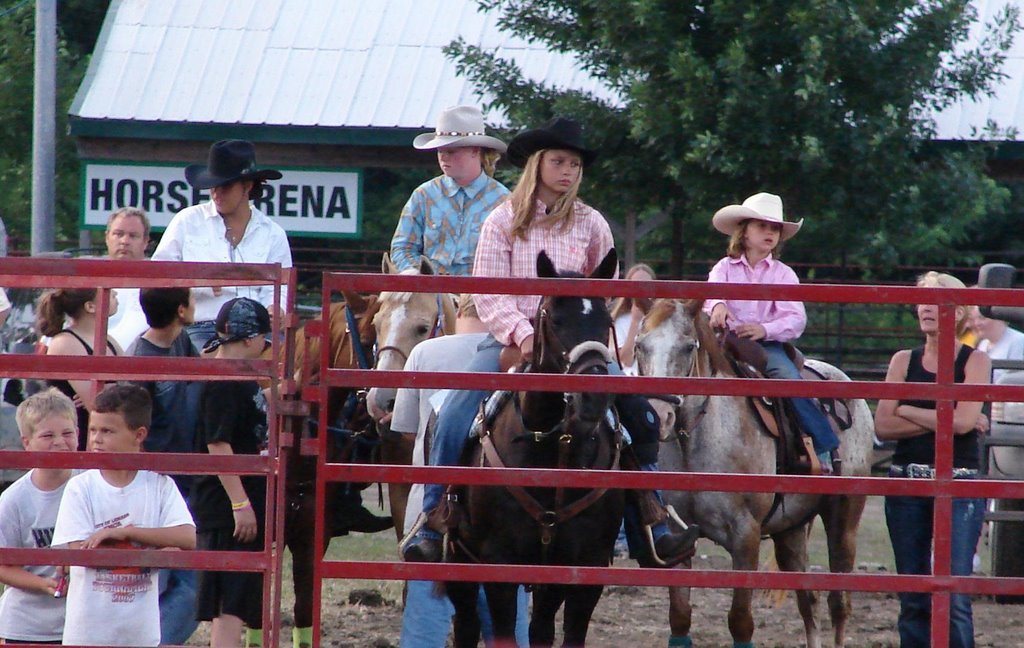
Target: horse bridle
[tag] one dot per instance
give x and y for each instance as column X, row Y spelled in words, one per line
column 438, row 327
column 696, row 370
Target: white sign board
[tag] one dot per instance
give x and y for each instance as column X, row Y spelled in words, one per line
column 305, row 202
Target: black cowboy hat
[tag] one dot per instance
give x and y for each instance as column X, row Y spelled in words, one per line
column 229, row 161
column 558, row 133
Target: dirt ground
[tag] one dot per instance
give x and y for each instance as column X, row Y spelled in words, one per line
column 633, row 616
column 638, row 616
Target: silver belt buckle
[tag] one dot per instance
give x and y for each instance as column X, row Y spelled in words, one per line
column 920, row 471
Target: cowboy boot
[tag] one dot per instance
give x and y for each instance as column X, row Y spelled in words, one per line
column 667, row 544
column 425, row 541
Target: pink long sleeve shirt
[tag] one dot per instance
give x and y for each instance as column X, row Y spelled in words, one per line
column 783, row 321
column 579, row 248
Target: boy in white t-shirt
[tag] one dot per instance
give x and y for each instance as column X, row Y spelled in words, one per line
column 119, row 509
column 30, row 611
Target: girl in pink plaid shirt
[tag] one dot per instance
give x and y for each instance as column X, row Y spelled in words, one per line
column 544, row 213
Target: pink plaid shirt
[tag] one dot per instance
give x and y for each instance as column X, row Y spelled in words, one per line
column 783, row 321
column 580, row 248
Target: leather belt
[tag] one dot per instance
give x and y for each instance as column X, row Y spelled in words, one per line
column 924, row 471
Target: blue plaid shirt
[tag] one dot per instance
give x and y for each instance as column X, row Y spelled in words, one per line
column 442, row 222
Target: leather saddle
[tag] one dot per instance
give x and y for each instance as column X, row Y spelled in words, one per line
column 795, row 449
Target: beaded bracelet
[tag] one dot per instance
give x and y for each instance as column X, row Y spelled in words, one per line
column 238, row 506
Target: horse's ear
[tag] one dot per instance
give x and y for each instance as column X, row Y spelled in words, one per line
column 545, row 267
column 426, row 267
column 693, row 307
column 386, row 265
column 356, row 302
column 606, row 269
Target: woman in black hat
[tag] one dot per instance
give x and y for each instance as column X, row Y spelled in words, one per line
column 545, row 213
column 227, row 229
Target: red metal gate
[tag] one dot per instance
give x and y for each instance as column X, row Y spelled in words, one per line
column 106, row 275
column 943, row 488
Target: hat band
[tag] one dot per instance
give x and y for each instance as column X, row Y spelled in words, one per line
column 456, row 134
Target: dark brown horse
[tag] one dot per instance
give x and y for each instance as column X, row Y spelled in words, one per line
column 553, row 526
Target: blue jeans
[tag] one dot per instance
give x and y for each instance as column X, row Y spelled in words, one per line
column 456, row 417
column 812, row 420
column 200, row 333
column 427, row 617
column 178, row 591
column 910, row 521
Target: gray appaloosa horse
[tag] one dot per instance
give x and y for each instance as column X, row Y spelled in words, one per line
column 721, row 434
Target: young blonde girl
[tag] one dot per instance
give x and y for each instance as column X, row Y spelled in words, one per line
column 756, row 231
column 543, row 212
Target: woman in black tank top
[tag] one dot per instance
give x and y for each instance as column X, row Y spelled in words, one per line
column 912, row 424
column 77, row 306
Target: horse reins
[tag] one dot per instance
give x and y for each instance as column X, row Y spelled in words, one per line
column 547, row 519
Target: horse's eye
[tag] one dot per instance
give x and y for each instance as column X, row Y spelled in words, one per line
column 689, row 346
column 422, row 330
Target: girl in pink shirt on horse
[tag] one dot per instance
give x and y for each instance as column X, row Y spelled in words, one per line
column 544, row 213
column 756, row 231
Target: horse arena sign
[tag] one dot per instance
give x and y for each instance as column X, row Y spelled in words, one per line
column 305, row 202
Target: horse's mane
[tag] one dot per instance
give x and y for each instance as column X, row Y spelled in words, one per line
column 707, row 338
column 660, row 311
column 664, row 309
column 395, row 297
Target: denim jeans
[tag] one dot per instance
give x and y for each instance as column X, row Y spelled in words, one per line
column 812, row 420
column 910, row 522
column 200, row 333
column 427, row 617
column 178, row 591
column 456, row 417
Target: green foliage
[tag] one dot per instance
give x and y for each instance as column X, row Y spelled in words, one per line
column 78, row 25
column 822, row 102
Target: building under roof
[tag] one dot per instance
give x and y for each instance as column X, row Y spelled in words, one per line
column 333, row 83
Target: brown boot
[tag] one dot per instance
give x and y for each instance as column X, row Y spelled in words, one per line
column 670, row 541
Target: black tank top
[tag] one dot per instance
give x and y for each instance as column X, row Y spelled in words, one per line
column 64, row 387
column 921, row 449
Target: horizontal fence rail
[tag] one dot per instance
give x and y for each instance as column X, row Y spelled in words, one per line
column 942, row 488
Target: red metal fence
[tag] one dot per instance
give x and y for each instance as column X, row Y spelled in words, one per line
column 112, row 274
column 106, row 275
column 943, row 488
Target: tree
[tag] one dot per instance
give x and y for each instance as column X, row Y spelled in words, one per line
column 824, row 102
column 78, row 25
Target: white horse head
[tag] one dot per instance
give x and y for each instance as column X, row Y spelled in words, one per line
column 404, row 320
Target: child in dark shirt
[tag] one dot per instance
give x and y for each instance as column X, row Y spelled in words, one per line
column 229, row 510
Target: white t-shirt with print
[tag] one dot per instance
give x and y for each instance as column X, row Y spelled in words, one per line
column 115, row 607
column 27, row 518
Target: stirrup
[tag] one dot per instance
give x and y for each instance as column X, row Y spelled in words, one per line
column 420, row 522
column 670, row 516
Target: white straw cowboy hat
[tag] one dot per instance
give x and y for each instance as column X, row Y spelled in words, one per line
column 459, row 126
column 763, row 207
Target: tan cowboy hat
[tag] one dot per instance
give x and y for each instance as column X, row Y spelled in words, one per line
column 762, row 206
column 459, row 126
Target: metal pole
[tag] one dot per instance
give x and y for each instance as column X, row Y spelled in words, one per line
column 44, row 127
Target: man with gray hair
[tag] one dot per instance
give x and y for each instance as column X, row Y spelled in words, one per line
column 127, row 237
